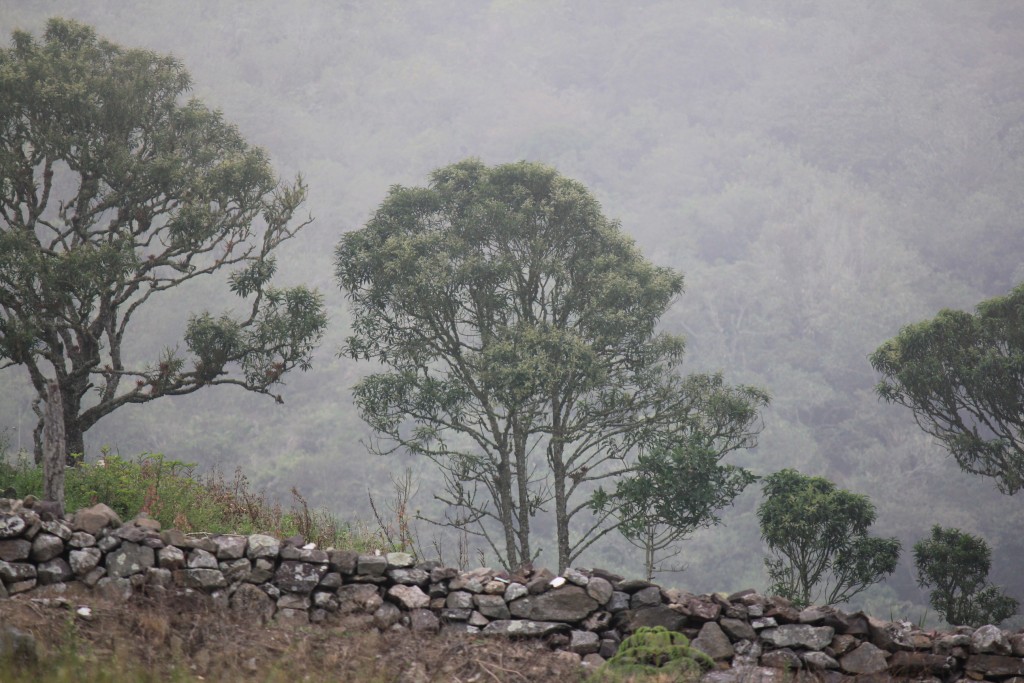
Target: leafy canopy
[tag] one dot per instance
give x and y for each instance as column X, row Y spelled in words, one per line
column 517, row 328
column 817, row 535
column 955, row 566
column 115, row 189
column 963, row 377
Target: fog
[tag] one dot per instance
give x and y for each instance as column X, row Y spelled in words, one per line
column 822, row 174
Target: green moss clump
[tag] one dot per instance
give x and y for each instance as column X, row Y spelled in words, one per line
column 654, row 651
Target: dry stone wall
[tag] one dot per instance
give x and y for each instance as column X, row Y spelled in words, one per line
column 585, row 613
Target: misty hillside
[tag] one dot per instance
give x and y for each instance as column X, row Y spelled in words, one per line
column 821, row 173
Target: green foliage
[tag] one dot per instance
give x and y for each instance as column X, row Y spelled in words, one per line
column 962, row 375
column 115, row 191
column 817, row 536
column 678, row 488
column 955, row 566
column 513, row 318
column 654, row 651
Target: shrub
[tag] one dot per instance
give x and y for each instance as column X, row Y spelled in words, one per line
column 654, row 651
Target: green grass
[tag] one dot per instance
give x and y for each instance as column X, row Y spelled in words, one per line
column 176, row 495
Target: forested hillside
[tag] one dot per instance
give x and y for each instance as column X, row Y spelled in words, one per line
column 821, row 173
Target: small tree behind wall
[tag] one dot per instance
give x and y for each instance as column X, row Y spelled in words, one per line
column 818, row 541
column 955, row 566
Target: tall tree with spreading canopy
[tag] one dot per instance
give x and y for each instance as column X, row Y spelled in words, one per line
column 817, row 535
column 962, row 375
column 114, row 190
column 517, row 327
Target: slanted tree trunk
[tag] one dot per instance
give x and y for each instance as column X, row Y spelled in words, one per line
column 54, row 458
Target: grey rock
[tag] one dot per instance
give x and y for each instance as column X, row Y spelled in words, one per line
column 84, row 561
column 331, row 580
column 569, row 604
column 818, row 660
column 118, row 589
column 575, row 576
column 20, row 586
column 372, row 565
column 492, row 606
column 299, row 577
column 128, row 559
column 80, row 539
column 400, row 560
column 408, row 577
column 423, row 620
column 798, row 635
column 387, row 615
column 988, row 639
column 156, row 576
column 15, row 549
column 995, row 666
column 299, row 554
column 262, row 570
column 108, row 544
column 455, row 613
column 439, row 574
column 466, row 582
column 358, row 597
column 477, row 619
column 201, row 559
column 53, row 571
column 11, row 526
column 262, row 546
column 866, row 659
column 713, row 642
column 737, row 629
column 13, row 572
column 782, row 659
column 325, row 600
column 618, row 602
column 230, row 546
column 170, row 557
column 294, row 601
column 524, row 628
column 459, row 600
column 343, row 561
column 598, row 621
column 203, row 578
column 94, row 519
column 409, row 597
column 748, row 674
column 645, row 597
column 251, row 602
column 236, row 570
column 599, row 589
column 763, row 622
column 584, row 642
column 514, row 591
column 662, row 615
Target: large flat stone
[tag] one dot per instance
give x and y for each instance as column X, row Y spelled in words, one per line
column 567, row 604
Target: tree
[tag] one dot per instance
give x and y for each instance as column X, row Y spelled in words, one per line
column 515, row 323
column 679, row 487
column 817, row 536
column 962, row 375
column 955, row 565
column 114, row 191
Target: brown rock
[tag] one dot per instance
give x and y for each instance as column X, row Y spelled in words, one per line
column 93, row 519
column 713, row 642
column 995, row 666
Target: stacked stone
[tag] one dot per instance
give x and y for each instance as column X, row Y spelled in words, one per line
column 585, row 613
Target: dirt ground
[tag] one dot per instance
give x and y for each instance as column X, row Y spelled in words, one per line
column 180, row 639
